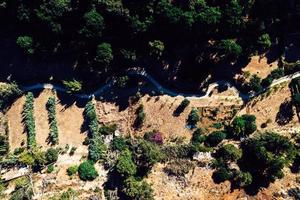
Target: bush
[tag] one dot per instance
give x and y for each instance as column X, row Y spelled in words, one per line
column 243, row 126
column 229, row 48
column 122, row 81
column 221, row 175
column 242, row 179
column 229, row 152
column 8, row 92
column 134, row 189
column 87, row 171
column 140, row 118
column 104, row 54
column 53, row 136
column 264, row 41
column 198, row 137
column 125, row 165
column 51, row 155
column 73, row 86
column 119, row 143
column 26, row 43
column 97, row 149
column 215, row 138
column 72, row 170
column 29, row 120
column 179, row 167
column 72, row 151
column 193, row 117
column 255, row 83
column 50, row 168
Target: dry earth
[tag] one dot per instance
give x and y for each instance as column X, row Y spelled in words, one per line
column 259, row 65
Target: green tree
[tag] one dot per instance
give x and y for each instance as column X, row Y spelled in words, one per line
column 93, row 24
column 26, row 43
column 229, row 49
column 51, row 155
column 72, row 170
column 244, row 125
column 87, row 171
column 135, row 190
column 73, row 86
column 193, row 117
column 104, row 55
column 242, row 179
column 264, row 41
column 215, row 138
column 229, row 152
column 97, row 149
column 125, row 165
column 156, row 48
column 222, row 175
column 255, row 83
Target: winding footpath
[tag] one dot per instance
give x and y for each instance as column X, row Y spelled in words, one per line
column 160, row 88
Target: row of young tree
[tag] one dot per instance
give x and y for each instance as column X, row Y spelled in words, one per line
column 107, row 33
column 29, row 120
column 51, row 107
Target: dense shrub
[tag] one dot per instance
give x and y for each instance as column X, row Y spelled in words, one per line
column 29, row 120
column 72, row 86
column 229, row 152
column 122, row 81
column 242, row 179
column 97, row 149
column 255, row 83
column 198, row 137
column 8, row 92
column 51, row 155
column 53, row 136
column 26, row 43
column 134, row 189
column 243, row 126
column 193, row 117
column 221, row 175
column 87, row 171
column 140, row 116
column 125, row 165
column 215, row 138
column 119, row 143
column 179, row 167
column 72, row 170
column 264, row 41
column 50, row 168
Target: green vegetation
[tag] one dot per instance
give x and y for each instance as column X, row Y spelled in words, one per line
column 29, row 120
column 104, row 55
column 156, row 48
column 215, row 138
column 135, row 189
column 51, row 155
column 73, row 86
column 140, row 116
column 50, row 168
column 243, row 126
column 229, row 49
column 53, row 135
column 125, row 165
column 87, row 171
column 26, row 43
column 72, row 170
column 97, row 148
column 193, row 117
column 264, row 41
column 23, row 189
column 185, row 103
column 119, row 143
column 8, row 93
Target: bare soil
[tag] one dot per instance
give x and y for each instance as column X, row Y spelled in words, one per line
column 259, row 65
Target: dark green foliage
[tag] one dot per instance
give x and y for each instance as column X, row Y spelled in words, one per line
column 140, row 118
column 179, row 167
column 107, row 129
column 125, row 165
column 193, row 117
column 87, row 171
column 156, row 48
column 229, row 48
column 4, row 145
column 53, row 135
column 50, row 168
column 93, row 24
column 122, row 81
column 221, row 175
column 178, row 151
column 275, row 74
column 215, row 138
column 51, row 155
column 198, row 137
column 264, row 157
column 73, row 86
column 229, row 152
column 104, row 55
column 29, row 120
column 255, row 83
column 8, row 92
column 119, row 143
column 242, row 179
column 97, row 149
column 26, row 43
column 135, row 189
column 244, row 125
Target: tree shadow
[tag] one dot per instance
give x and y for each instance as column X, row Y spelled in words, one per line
column 285, row 113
